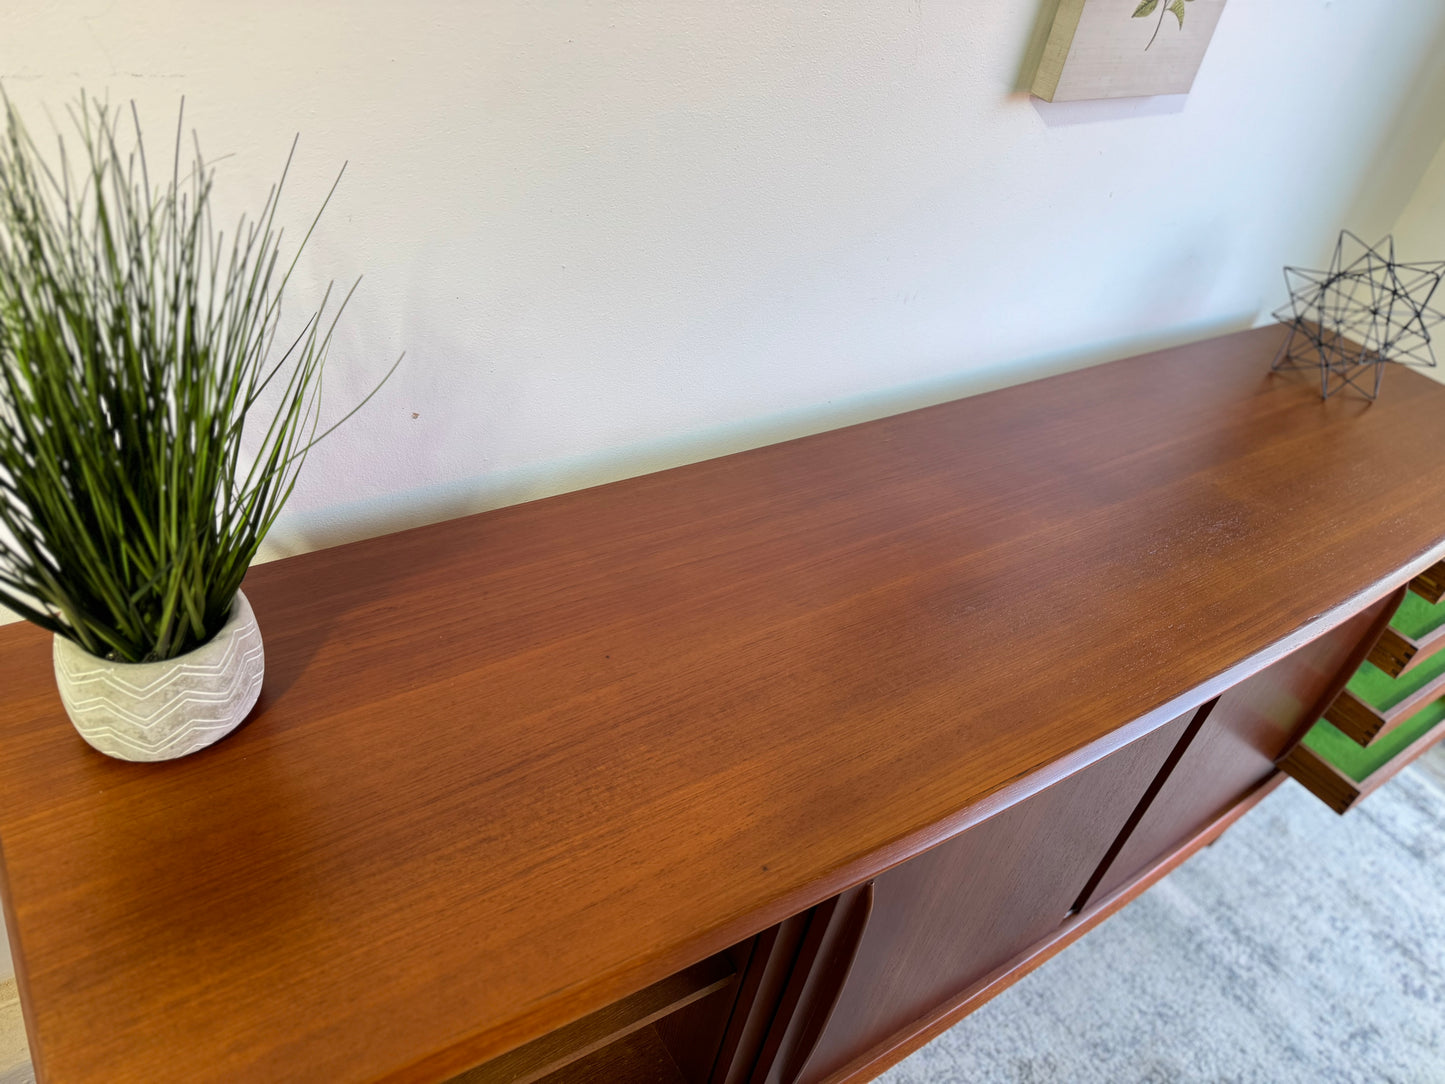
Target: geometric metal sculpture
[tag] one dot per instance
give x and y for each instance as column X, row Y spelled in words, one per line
column 1366, row 310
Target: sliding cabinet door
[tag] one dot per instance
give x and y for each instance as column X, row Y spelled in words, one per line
column 923, row 933
column 1234, row 747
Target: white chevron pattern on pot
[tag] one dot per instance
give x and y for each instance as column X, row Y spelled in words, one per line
column 162, row 710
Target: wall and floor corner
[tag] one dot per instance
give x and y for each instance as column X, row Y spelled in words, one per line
column 614, row 238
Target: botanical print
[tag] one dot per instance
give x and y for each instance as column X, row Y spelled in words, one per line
column 1124, row 49
column 1147, row 8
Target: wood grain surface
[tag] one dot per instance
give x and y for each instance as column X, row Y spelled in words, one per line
column 1238, row 742
column 1341, row 791
column 1429, row 583
column 544, row 1056
column 836, row 929
column 917, row 1033
column 944, row 920
column 1396, row 654
column 511, row 768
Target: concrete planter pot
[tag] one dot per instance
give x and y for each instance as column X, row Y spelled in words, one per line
column 151, row 711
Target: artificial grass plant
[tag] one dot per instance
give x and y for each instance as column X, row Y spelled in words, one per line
column 136, row 345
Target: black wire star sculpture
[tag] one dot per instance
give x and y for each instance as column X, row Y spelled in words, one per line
column 1367, row 310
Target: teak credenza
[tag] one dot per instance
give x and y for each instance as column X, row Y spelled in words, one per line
column 764, row 769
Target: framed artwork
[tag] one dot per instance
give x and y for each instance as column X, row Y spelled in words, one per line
column 1124, row 48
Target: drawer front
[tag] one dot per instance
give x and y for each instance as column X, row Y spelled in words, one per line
column 1235, row 746
column 1415, row 635
column 1375, row 704
column 1392, row 710
column 1340, row 771
column 945, row 919
column 1378, row 699
column 1430, row 584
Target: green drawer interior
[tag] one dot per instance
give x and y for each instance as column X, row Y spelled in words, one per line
column 1382, row 692
column 1416, row 617
column 1360, row 761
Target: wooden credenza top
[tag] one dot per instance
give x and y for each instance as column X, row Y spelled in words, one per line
column 509, row 768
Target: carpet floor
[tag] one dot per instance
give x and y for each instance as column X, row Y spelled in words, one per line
column 1302, row 947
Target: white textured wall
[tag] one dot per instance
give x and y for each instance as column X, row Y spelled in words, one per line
column 616, row 236
column 1420, row 230
column 1420, row 235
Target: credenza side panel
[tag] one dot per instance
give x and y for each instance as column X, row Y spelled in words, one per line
column 945, row 919
column 1238, row 743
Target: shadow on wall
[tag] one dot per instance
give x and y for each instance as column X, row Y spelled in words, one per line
column 416, row 508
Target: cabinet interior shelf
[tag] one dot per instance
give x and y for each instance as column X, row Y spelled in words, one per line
column 610, row 1036
column 639, row 1057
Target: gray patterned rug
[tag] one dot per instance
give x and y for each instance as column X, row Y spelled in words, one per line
column 1301, row 947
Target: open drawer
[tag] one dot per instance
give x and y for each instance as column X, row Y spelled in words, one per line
column 1340, row 771
column 1373, row 704
column 1430, row 584
column 1413, row 637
